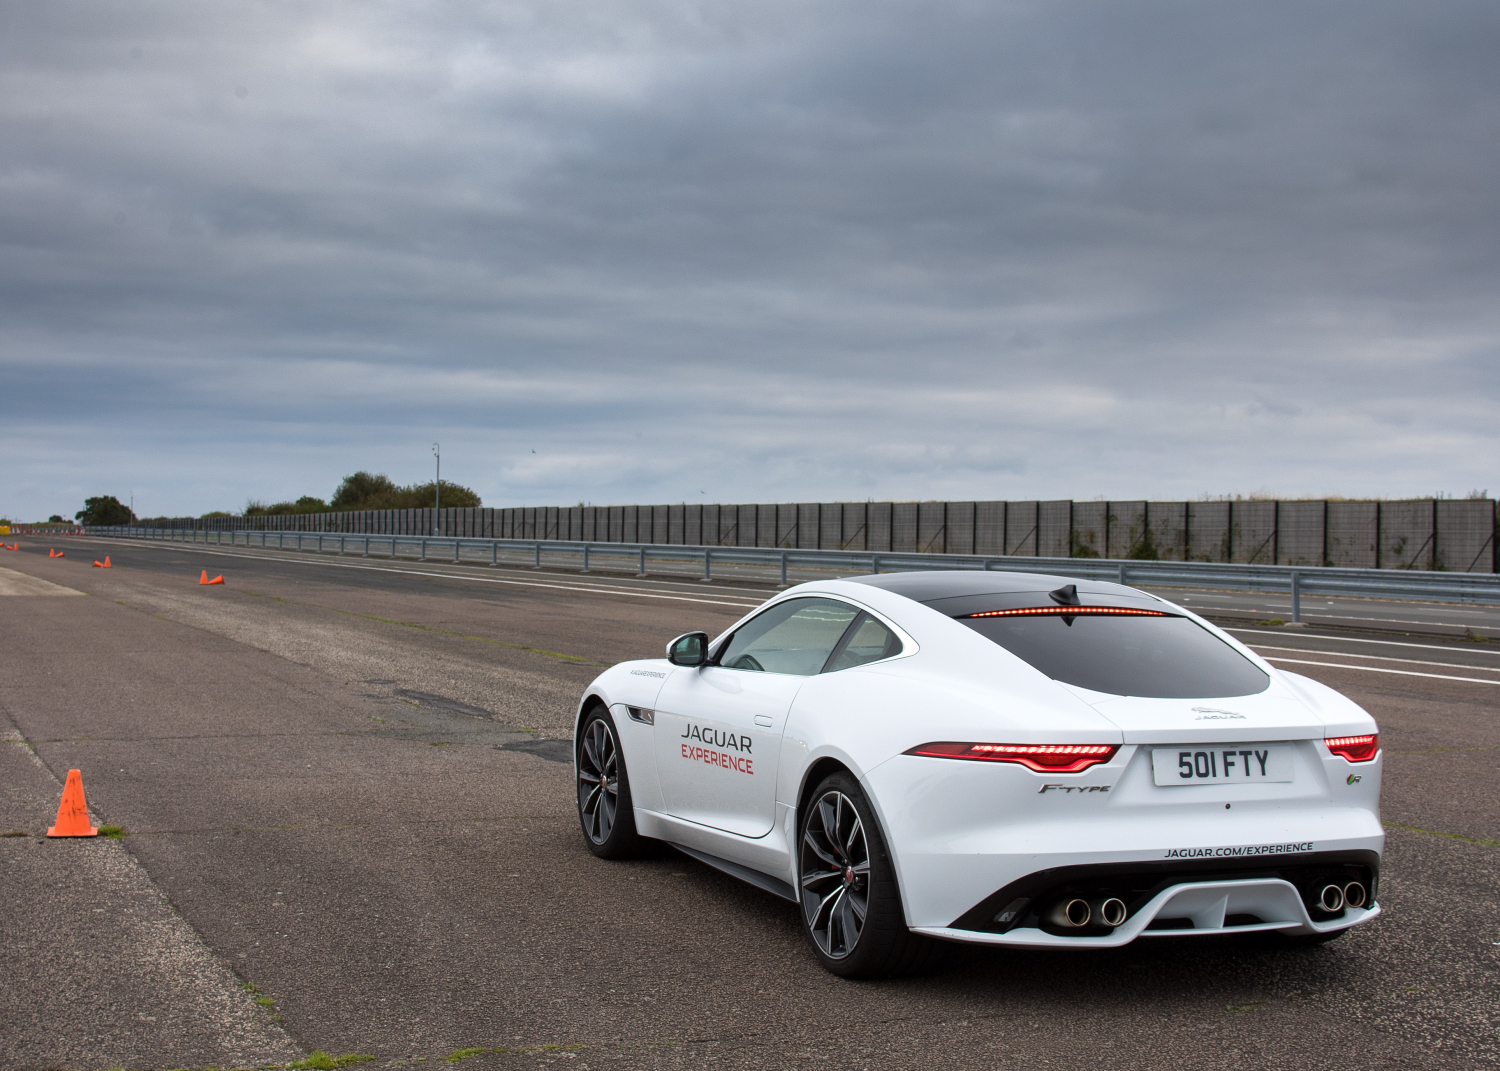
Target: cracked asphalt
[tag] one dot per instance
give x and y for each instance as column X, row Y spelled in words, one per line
column 346, row 785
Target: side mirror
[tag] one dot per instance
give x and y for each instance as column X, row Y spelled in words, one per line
column 690, row 649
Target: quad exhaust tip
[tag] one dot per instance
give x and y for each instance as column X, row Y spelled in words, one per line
column 1071, row 914
column 1355, row 895
column 1075, row 914
column 1110, row 912
column 1332, row 897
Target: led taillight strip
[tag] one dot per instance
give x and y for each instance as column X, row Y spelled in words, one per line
column 1071, row 611
column 1043, row 758
column 1354, row 748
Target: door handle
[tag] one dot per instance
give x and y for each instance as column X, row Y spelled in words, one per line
column 762, row 720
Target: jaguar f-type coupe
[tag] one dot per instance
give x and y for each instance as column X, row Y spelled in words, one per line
column 989, row 757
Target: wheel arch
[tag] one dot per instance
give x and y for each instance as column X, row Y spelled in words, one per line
column 813, row 776
column 590, row 700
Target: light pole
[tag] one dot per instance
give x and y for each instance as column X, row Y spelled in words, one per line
column 437, row 490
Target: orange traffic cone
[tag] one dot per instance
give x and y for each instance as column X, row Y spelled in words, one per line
column 205, row 580
column 55, row 553
column 73, row 812
column 105, row 563
column 218, row 579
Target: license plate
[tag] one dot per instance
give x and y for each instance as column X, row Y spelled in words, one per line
column 1231, row 764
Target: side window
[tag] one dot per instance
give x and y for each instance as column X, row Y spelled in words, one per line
column 793, row 637
column 868, row 641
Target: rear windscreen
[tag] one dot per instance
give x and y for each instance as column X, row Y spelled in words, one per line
column 1158, row 657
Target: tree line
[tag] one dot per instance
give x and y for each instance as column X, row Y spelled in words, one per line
column 360, row 491
column 367, row 490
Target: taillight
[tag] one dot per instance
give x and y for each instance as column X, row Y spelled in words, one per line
column 1044, row 758
column 1354, row 748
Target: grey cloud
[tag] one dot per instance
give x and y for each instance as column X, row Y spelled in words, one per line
column 769, row 250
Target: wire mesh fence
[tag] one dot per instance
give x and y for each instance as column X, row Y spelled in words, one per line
column 1452, row 535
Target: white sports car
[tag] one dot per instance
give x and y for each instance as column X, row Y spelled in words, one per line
column 997, row 758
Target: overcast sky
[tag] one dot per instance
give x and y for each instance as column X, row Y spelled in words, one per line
column 635, row 251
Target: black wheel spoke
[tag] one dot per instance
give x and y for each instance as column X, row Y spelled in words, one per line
column 830, row 816
column 809, row 880
column 856, row 832
column 859, row 905
column 811, row 842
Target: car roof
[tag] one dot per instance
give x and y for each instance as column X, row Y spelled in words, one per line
column 933, row 584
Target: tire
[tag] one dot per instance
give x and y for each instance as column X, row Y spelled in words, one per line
column 851, row 905
column 604, row 805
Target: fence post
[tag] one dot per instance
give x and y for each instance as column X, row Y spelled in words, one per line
column 424, row 550
column 1122, row 574
column 494, row 552
column 538, row 563
column 585, row 557
column 455, row 551
column 783, row 569
column 707, row 568
column 367, row 547
column 1296, row 597
column 875, row 564
column 643, row 562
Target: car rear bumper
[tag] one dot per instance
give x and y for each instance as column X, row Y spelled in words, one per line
column 966, row 829
column 1208, row 905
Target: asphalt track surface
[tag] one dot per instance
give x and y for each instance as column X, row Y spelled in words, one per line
column 346, row 785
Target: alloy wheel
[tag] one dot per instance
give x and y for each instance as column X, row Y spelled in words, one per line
column 835, row 867
column 598, row 780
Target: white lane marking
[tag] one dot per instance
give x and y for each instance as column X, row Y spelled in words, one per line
column 586, row 588
column 1384, row 643
column 1381, row 669
column 13, row 582
column 1380, row 620
column 1374, row 657
column 1366, row 620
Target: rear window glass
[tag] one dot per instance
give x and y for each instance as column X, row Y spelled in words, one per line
column 1165, row 657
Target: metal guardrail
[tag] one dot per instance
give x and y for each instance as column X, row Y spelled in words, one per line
column 1483, row 588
